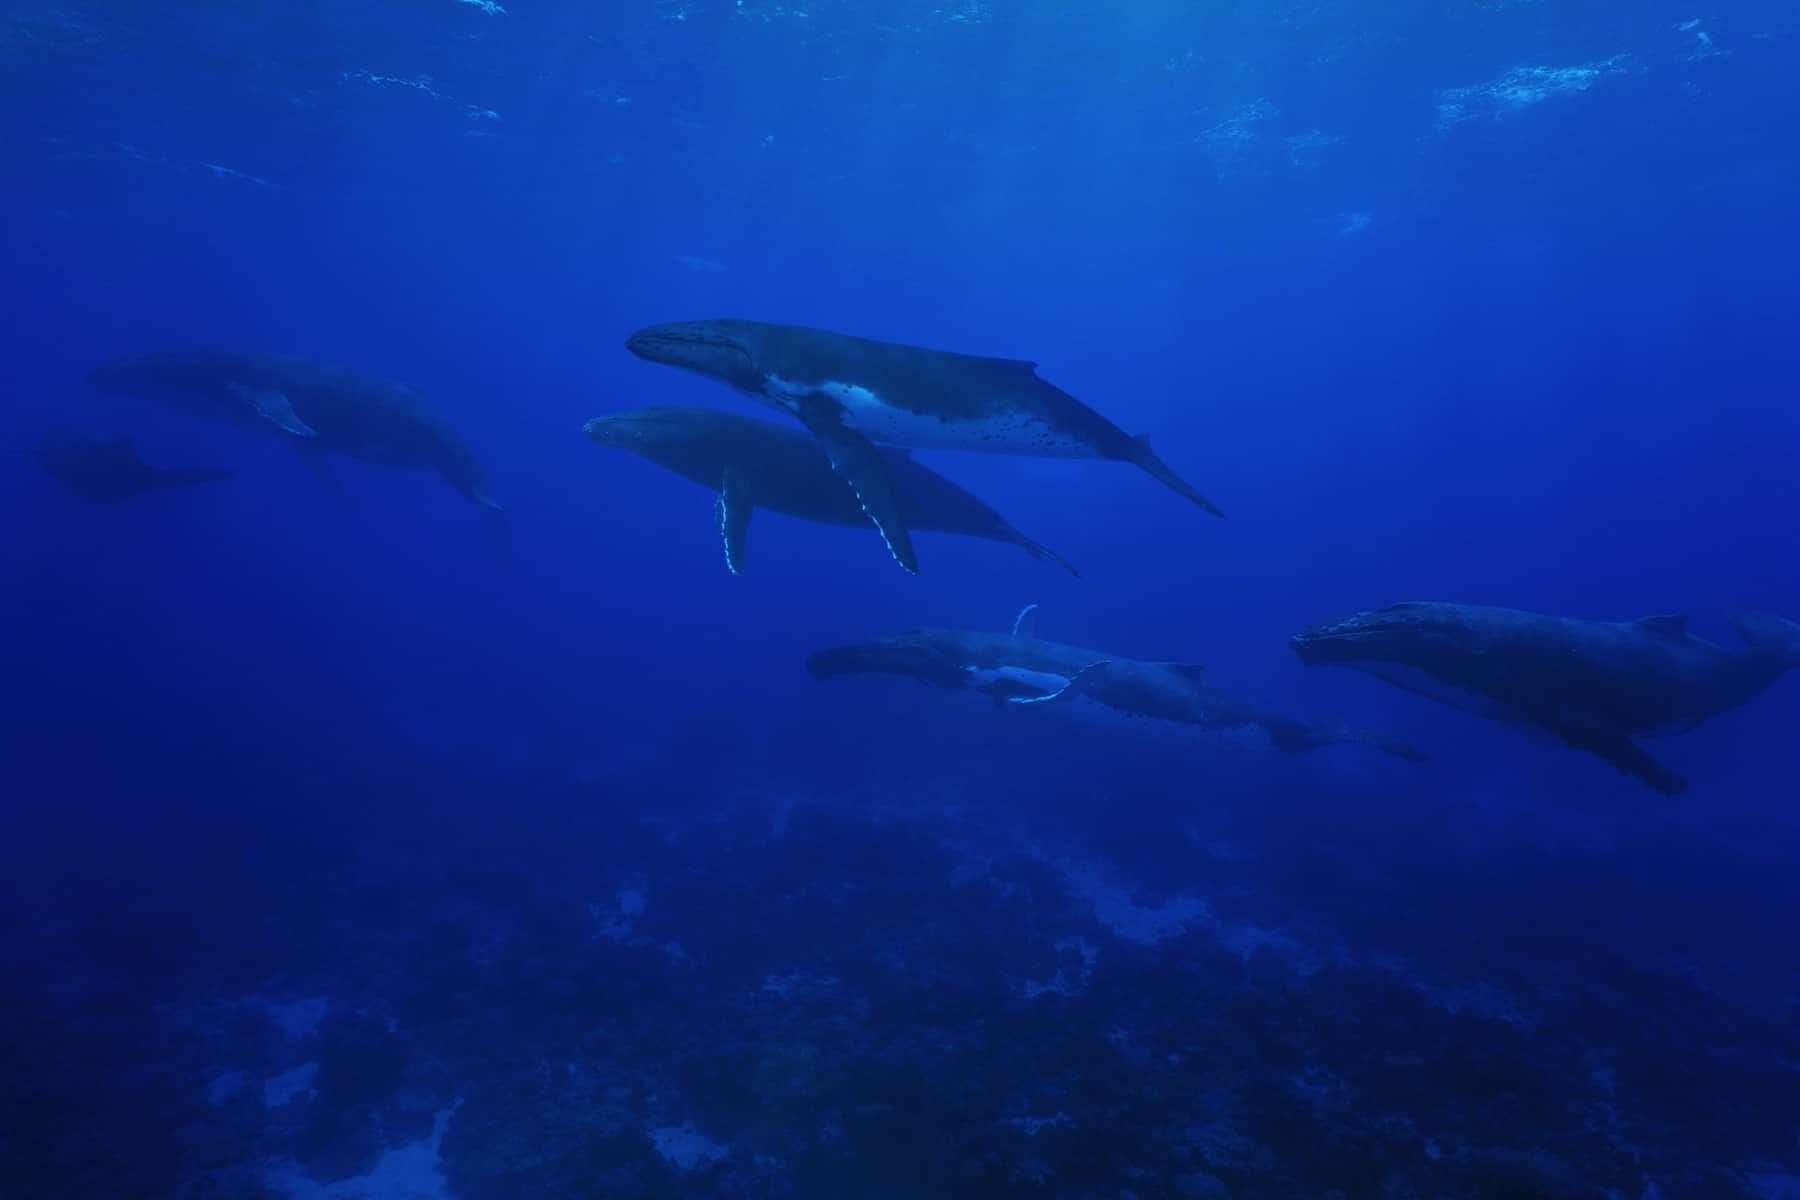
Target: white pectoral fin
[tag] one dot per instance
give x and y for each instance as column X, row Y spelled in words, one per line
column 273, row 405
column 734, row 508
column 1070, row 688
column 859, row 463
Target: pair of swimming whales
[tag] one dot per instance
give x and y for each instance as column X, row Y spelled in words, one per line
column 1594, row 685
column 856, row 397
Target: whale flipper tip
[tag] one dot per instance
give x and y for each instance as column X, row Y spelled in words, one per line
column 1152, row 464
column 734, row 509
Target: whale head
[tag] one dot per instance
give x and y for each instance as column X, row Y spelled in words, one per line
column 197, row 382
column 917, row 654
column 1410, row 634
column 725, row 350
column 642, row 430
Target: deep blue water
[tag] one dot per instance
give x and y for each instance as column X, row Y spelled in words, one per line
column 552, row 873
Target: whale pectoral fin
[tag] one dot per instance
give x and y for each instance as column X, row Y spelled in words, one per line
column 1624, row 755
column 860, row 464
column 1397, row 747
column 273, row 406
column 734, row 508
column 1078, row 683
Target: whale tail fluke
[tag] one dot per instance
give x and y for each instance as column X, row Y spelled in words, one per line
column 1767, row 633
column 1144, row 457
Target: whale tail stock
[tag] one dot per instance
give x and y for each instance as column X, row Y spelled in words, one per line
column 1294, row 736
column 1398, row 748
column 1044, row 553
column 1767, row 633
column 1141, row 455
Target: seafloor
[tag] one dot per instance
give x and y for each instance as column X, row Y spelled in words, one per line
column 925, row 989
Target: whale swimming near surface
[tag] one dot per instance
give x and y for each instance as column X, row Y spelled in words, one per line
column 1017, row 668
column 749, row 463
column 1594, row 685
column 108, row 470
column 308, row 405
column 852, row 393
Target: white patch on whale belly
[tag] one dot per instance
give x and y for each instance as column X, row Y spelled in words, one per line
column 1015, row 681
column 866, row 412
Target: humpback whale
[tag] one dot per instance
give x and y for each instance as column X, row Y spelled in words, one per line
column 306, row 404
column 852, row 392
column 1018, row 668
column 1594, row 685
column 107, row 470
column 748, row 463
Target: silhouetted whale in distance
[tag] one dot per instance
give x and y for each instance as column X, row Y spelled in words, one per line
column 311, row 406
column 108, row 470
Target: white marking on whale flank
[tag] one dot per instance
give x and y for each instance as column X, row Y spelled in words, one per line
column 1008, row 431
column 1011, row 680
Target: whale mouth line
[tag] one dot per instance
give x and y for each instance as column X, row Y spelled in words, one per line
column 667, row 347
column 1328, row 645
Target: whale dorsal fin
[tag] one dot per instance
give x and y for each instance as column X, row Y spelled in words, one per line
column 273, row 405
column 1670, row 626
column 1025, row 624
column 734, row 507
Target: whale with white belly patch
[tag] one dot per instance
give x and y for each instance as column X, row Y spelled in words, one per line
column 1020, row 670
